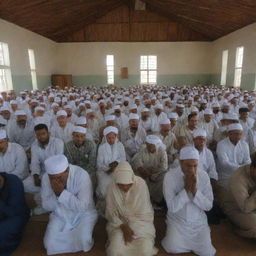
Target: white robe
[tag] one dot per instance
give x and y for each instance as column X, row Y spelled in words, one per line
column 64, row 134
column 73, row 214
column 155, row 127
column 187, row 227
column 230, row 157
column 106, row 155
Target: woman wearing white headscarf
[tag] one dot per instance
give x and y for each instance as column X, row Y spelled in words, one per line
column 151, row 163
column 110, row 153
column 130, row 215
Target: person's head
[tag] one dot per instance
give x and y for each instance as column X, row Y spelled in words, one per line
column 90, row 115
column 189, row 157
column 243, row 113
column 165, row 126
column 199, row 138
column 153, row 142
column 57, row 168
column 14, row 105
column 3, row 141
column 21, row 118
column 192, row 121
column 62, row 118
column 134, row 121
column 173, row 116
column 133, row 109
column 6, row 113
column 235, row 133
column 79, row 135
column 208, row 115
column 110, row 133
column 179, row 109
column 42, row 133
column 225, row 108
column 117, row 111
column 68, row 109
column 158, row 109
column 145, row 114
column 39, row 111
column 124, row 176
column 253, row 168
column 110, row 120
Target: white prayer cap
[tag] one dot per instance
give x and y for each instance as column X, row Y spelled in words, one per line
column 189, row 152
column 81, row 105
column 230, row 116
column 39, row 109
column 3, row 134
column 159, row 106
column 67, row 106
column 180, row 106
column 165, row 121
column 79, row 129
column 13, row 102
column 194, row 109
column 3, row 121
column 225, row 103
column 110, row 118
column 88, row 111
column 145, row 110
column 116, row 107
column 56, row 164
column 155, row 140
column 208, row 111
column 233, row 127
column 123, row 173
column 134, row 116
column 173, row 115
column 199, row 133
column 61, row 113
column 133, row 106
column 54, row 105
column 110, row 129
column 4, row 108
column 81, row 120
column 34, row 101
column 20, row 112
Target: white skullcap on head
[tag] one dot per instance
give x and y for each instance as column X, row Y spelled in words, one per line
column 88, row 111
column 116, row 107
column 3, row 134
column 172, row 115
column 230, row 116
column 4, row 108
column 20, row 113
column 233, row 127
column 67, row 106
column 208, row 111
column 155, row 140
column 81, row 105
column 180, row 106
column 110, row 129
column 134, row 116
column 215, row 105
column 61, row 113
column 39, row 109
column 56, row 164
column 133, row 106
column 81, row 120
column 189, row 152
column 110, row 118
column 199, row 133
column 79, row 129
column 123, row 173
column 165, row 121
column 34, row 101
column 55, row 105
column 145, row 110
column 194, row 109
column 13, row 102
column 159, row 106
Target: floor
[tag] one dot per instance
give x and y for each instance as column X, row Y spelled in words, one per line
column 224, row 240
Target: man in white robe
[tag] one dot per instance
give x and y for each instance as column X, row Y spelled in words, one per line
column 121, row 118
column 146, row 120
column 232, row 153
column 62, row 129
column 188, row 194
column 67, row 193
column 129, row 214
column 70, row 115
column 157, row 117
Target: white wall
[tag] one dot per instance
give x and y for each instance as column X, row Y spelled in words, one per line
column 19, row 40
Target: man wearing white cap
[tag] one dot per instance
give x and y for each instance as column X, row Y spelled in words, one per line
column 188, row 194
column 129, row 214
column 70, row 115
column 173, row 117
column 110, row 121
column 110, row 153
column 62, row 129
column 82, row 152
column 121, row 118
column 67, row 192
column 157, row 117
column 13, row 159
column 146, row 120
column 43, row 147
column 133, row 136
column 169, row 139
column 21, row 130
column 151, row 163
column 232, row 153
column 93, row 125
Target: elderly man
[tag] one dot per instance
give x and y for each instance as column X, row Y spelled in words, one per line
column 110, row 153
column 232, row 153
column 146, row 120
column 157, row 117
column 21, row 130
column 82, row 152
column 133, row 136
column 151, row 163
column 62, row 129
column 14, row 212
column 188, row 194
column 121, row 118
column 67, row 192
column 70, row 115
column 129, row 214
column 240, row 198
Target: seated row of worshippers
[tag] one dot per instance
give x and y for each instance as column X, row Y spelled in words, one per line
column 120, row 153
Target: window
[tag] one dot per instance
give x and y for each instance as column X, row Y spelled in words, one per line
column 223, row 79
column 148, row 69
column 32, row 65
column 110, row 69
column 238, row 66
column 5, row 70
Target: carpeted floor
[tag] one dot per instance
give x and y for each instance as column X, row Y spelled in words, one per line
column 224, row 240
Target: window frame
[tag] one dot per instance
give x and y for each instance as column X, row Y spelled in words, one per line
column 146, row 70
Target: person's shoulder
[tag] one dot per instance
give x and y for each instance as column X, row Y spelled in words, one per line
column 15, row 146
column 80, row 172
